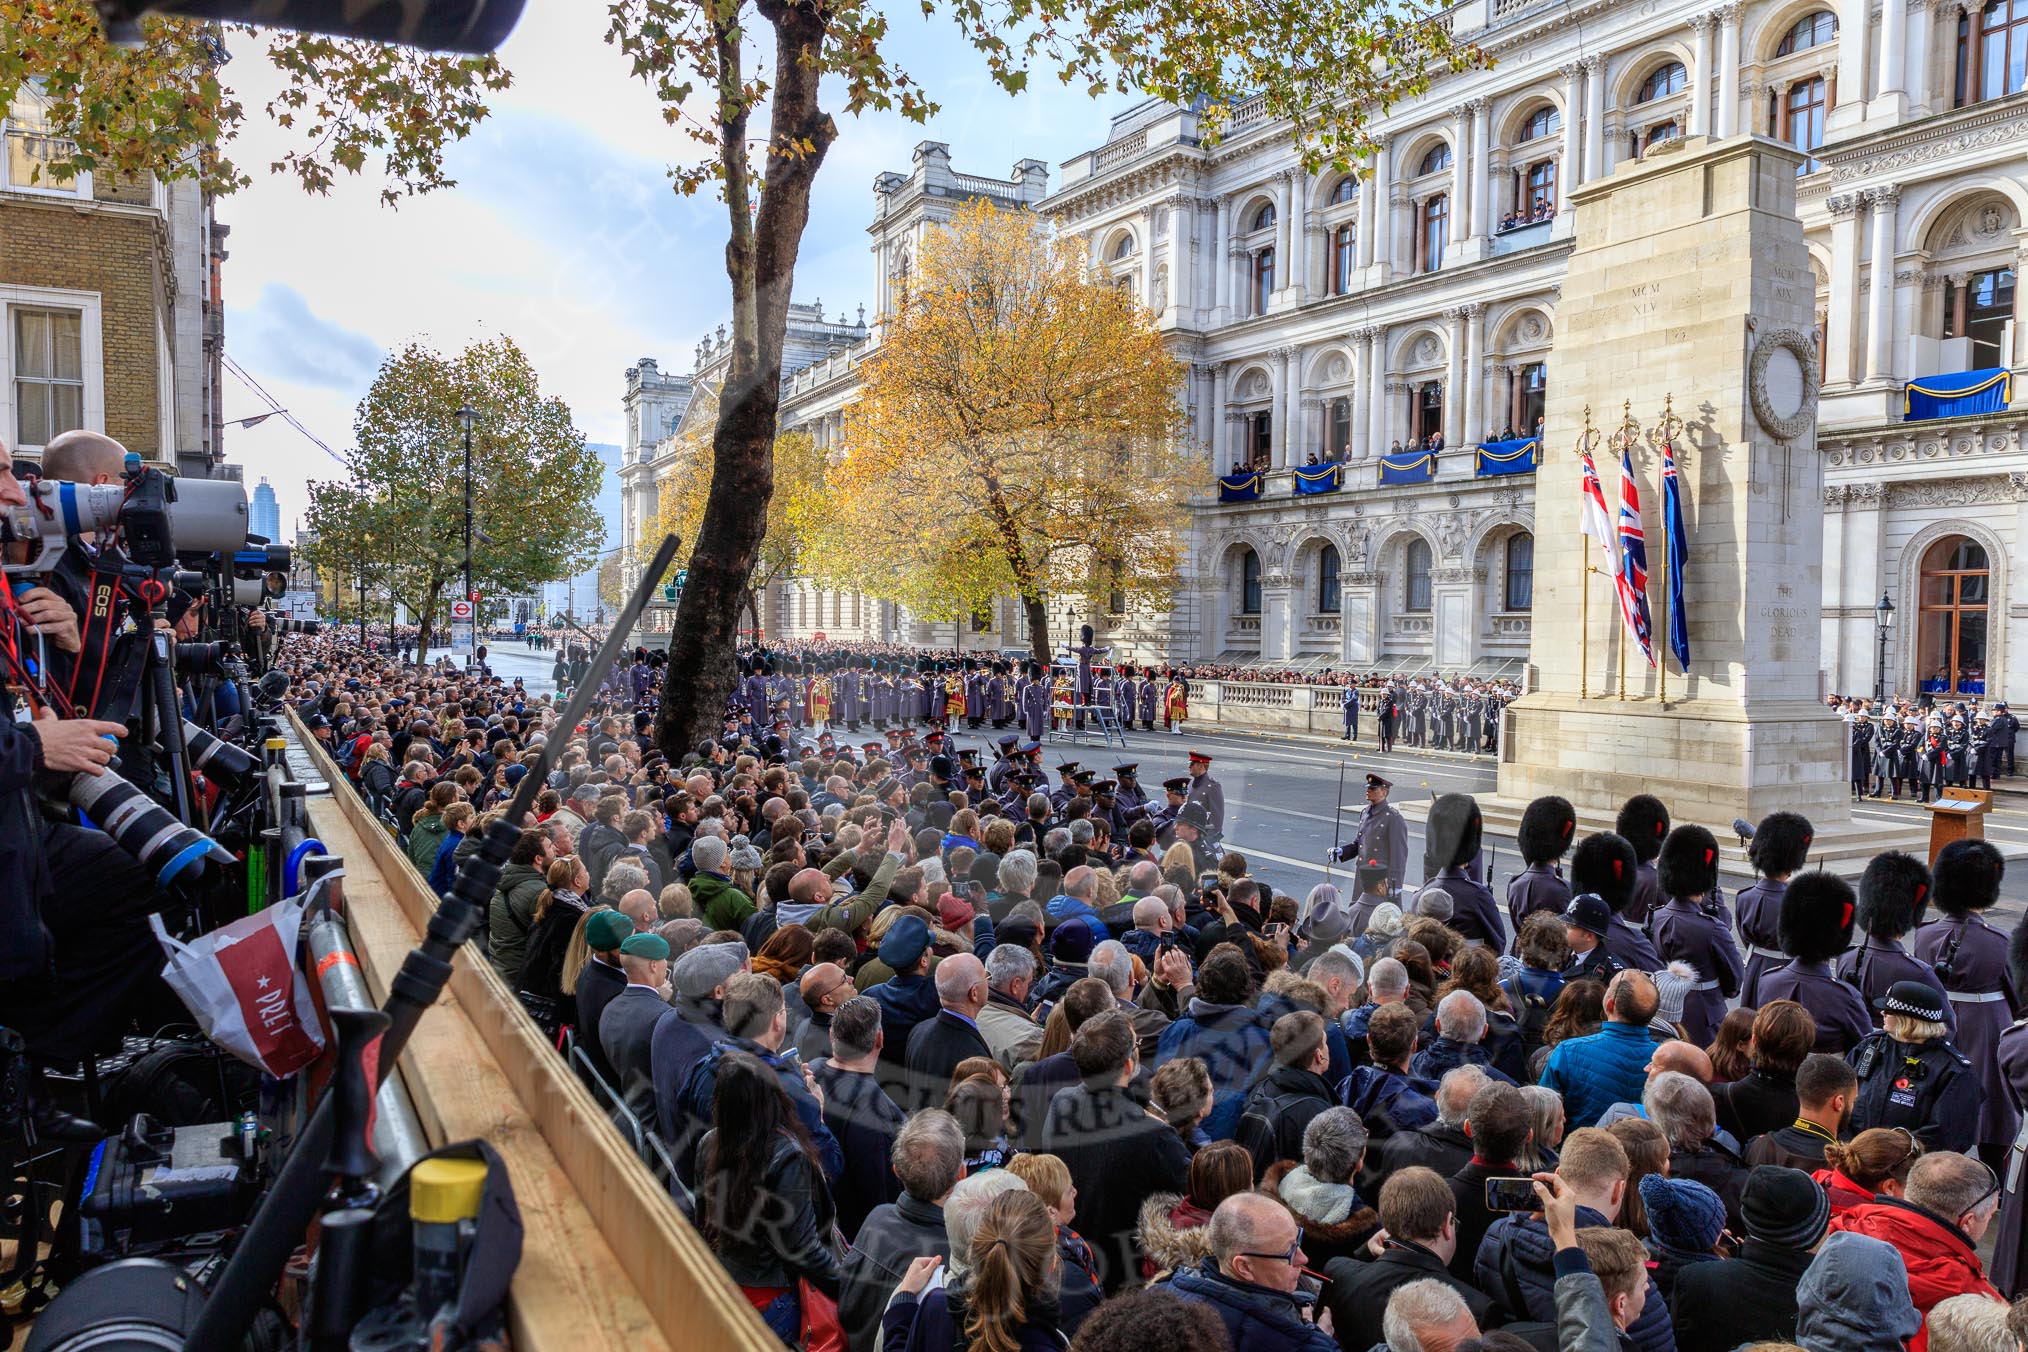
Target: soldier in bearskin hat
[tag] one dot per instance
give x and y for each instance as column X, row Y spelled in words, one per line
column 1450, row 843
column 1781, row 845
column 1687, row 930
column 1893, row 895
column 1970, row 958
column 2010, row 1232
column 1605, row 866
column 1644, row 822
column 1035, row 704
column 1815, row 926
column 1547, row 827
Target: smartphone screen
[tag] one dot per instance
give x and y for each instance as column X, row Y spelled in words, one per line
column 1511, row 1194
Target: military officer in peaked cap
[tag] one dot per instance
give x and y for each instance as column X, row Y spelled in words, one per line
column 1382, row 834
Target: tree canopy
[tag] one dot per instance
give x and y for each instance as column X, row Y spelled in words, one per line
column 1017, row 432
column 534, row 483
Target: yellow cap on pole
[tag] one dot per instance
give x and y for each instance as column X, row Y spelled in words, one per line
column 445, row 1190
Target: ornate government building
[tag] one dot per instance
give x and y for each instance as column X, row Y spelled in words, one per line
column 1353, row 318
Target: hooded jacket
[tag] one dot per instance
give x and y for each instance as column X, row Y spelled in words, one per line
column 1174, row 1234
column 1855, row 1298
column 1234, row 1044
column 509, row 918
column 1941, row 1261
column 1336, row 1222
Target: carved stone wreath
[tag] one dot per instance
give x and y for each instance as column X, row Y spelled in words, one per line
column 1786, row 406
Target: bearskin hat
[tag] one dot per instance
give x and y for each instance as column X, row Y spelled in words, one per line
column 1816, row 917
column 2017, row 956
column 1893, row 894
column 1643, row 822
column 1085, row 634
column 1968, row 874
column 1781, row 843
column 1688, row 863
column 1126, row 669
column 1547, row 826
column 1034, row 671
column 1451, row 835
column 1604, row 863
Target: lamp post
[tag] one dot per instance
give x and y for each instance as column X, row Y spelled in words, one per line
column 1883, row 615
column 362, row 595
column 468, row 415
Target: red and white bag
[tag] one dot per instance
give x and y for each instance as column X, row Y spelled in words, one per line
column 241, row 983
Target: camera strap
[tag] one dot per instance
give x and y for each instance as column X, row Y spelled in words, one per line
column 28, row 675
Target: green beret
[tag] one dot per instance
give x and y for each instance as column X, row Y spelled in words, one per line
column 645, row 946
column 606, row 930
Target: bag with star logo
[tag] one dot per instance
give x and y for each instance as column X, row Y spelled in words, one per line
column 243, row 986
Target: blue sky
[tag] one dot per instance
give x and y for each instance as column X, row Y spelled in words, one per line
column 563, row 232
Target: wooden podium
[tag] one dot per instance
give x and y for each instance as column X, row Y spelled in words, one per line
column 1959, row 815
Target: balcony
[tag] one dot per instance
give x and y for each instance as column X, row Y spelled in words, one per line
column 1521, row 237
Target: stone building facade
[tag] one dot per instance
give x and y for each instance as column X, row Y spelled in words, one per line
column 109, row 302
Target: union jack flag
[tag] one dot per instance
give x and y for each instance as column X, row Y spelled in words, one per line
column 1632, row 579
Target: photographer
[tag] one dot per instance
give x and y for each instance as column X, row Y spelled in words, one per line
column 71, row 975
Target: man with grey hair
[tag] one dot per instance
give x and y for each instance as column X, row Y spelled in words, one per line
column 935, row 1046
column 1972, row 1323
column 858, row 1111
column 965, row 1208
column 928, row 1157
column 1055, row 840
column 1009, row 1029
column 621, row 879
column 1252, row 1279
column 1427, row 1316
column 1080, row 831
column 1460, row 1039
column 1386, row 984
column 1442, row 1145
column 1337, row 1222
column 721, row 905
column 1943, row 1213
column 1017, row 885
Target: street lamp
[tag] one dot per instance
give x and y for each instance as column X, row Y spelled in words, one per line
column 1883, row 615
column 468, row 415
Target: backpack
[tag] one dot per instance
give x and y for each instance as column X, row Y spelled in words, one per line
column 1260, row 1129
column 1531, row 1014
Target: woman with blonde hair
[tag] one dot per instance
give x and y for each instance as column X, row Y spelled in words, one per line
column 1007, row 1300
column 676, row 903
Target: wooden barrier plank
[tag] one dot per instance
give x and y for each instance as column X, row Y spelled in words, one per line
column 602, row 1215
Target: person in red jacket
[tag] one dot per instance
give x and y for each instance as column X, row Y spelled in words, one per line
column 1936, row 1225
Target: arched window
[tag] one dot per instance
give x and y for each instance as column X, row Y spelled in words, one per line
column 1643, row 142
column 1544, row 121
column 1439, row 157
column 1347, row 188
column 1124, row 248
column 1803, row 118
column 1249, row 583
column 1416, row 564
column 1812, row 30
column 1539, row 188
column 1339, row 443
column 1426, row 410
column 1533, row 390
column 1327, row 580
column 1265, row 217
column 1950, row 648
column 1341, row 260
column 1993, row 51
column 1979, row 309
column 1520, row 593
column 1263, row 280
column 1664, row 80
column 1436, row 219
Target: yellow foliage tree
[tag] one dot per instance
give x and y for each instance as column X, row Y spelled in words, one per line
column 1018, row 431
column 797, row 502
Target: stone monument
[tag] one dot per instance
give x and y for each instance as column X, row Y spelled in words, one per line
column 1689, row 279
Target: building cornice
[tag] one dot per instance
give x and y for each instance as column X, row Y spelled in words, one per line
column 1939, row 136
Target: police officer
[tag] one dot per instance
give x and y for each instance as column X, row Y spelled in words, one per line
column 2005, row 725
column 1911, row 1077
column 1382, row 834
column 1351, row 710
column 1585, row 923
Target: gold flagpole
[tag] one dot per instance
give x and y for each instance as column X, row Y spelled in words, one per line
column 1667, row 432
column 1584, row 572
column 1620, row 443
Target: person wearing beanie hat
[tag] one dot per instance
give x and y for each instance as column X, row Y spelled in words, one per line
column 1383, row 927
column 697, row 982
column 1780, row 847
column 1643, row 822
column 627, row 1028
column 1816, row 918
column 1969, row 957
column 1751, row 1297
column 1452, row 838
column 1685, row 1221
column 1674, row 985
column 743, row 856
column 1894, row 893
column 1548, row 827
column 600, row 981
column 1687, row 932
column 1605, row 865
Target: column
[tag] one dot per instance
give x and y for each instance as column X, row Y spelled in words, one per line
column 1594, row 118
column 2019, row 357
column 1375, row 412
column 1482, row 176
column 1892, row 90
column 1880, row 288
column 1366, row 393
column 1573, row 125
column 1289, row 407
column 1700, row 76
column 1475, row 361
column 1855, row 57
column 1461, row 183
column 1221, row 265
column 1316, row 258
column 1298, row 282
column 1726, row 122
column 1370, row 190
column 1278, row 419
column 1147, row 269
column 1235, row 440
column 1182, row 229
column 1221, row 456
column 1377, row 244
column 1313, row 430
column 1917, row 67
column 1454, row 384
column 1842, row 336
column 1285, row 234
column 1864, row 576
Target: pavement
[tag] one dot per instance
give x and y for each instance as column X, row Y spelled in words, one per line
column 1280, row 789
